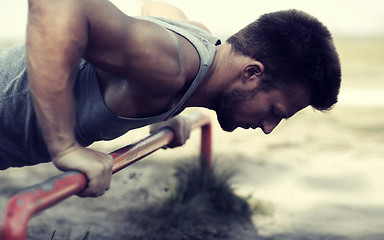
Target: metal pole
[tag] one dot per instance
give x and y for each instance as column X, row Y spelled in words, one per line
column 22, row 206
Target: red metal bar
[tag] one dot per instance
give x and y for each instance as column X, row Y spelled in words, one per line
column 23, row 205
column 206, row 146
column 206, row 139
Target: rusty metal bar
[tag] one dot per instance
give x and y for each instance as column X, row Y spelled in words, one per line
column 22, row 206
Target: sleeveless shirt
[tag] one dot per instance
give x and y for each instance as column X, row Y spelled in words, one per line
column 21, row 141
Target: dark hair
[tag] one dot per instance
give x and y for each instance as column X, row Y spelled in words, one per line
column 295, row 48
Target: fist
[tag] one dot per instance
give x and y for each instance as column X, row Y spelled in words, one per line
column 95, row 165
column 180, row 126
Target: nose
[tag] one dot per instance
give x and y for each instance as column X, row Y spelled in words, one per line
column 270, row 124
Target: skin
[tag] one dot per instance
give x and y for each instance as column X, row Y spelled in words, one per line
column 159, row 64
column 165, row 10
column 260, row 109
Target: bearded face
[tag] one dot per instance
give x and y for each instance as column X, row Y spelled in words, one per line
column 227, row 105
column 259, row 108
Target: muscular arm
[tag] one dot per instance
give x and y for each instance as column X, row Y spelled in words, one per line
column 55, row 44
column 56, row 40
column 59, row 34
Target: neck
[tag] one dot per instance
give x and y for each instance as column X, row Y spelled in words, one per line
column 220, row 74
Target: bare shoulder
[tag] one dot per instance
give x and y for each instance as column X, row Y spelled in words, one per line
column 157, row 63
column 164, row 58
column 158, row 66
column 143, row 51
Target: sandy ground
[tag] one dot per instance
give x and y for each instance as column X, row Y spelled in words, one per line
column 317, row 176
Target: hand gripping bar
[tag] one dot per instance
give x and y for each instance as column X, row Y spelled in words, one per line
column 29, row 201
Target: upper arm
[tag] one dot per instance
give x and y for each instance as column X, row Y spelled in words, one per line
column 129, row 46
column 114, row 42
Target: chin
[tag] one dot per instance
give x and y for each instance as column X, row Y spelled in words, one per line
column 226, row 121
column 227, row 127
column 228, row 130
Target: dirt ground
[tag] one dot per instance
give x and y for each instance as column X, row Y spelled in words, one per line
column 317, row 176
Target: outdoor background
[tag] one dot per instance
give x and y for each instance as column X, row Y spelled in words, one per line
column 317, row 176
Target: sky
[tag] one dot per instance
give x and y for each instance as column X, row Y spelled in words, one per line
column 223, row 17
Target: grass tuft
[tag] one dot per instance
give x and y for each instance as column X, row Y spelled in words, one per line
column 201, row 206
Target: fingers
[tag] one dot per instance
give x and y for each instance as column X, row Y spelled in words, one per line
column 95, row 165
column 99, row 180
column 95, row 188
column 181, row 127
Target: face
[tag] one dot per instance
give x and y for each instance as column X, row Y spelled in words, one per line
column 259, row 108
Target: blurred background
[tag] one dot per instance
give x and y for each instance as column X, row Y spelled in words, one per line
column 343, row 17
column 319, row 173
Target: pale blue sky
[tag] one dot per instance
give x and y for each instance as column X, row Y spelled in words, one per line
column 343, row 17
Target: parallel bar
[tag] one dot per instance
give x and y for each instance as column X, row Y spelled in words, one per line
column 206, row 146
column 206, row 139
column 130, row 154
column 22, row 206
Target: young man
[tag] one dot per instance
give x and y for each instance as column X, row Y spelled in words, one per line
column 92, row 73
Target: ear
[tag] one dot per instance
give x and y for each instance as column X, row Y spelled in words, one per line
column 252, row 71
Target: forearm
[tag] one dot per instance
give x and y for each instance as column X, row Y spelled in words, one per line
column 56, row 39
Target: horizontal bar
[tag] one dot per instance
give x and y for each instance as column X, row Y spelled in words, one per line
column 22, row 206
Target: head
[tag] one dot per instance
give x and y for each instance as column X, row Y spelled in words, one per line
column 294, row 60
column 259, row 107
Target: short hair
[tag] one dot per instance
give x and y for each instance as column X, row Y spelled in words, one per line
column 295, row 48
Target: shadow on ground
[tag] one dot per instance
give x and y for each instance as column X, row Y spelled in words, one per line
column 201, row 206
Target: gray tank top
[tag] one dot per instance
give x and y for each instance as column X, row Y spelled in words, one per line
column 21, row 142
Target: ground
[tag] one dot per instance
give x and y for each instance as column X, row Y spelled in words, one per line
column 317, row 176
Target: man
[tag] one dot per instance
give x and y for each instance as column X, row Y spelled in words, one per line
column 93, row 73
